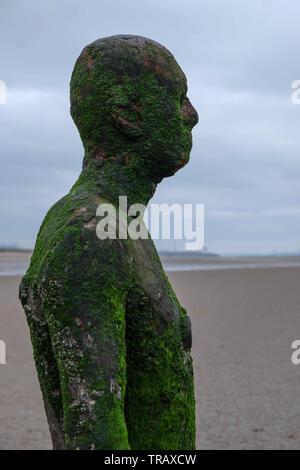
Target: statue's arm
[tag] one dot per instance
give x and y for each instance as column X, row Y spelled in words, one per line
column 46, row 365
column 84, row 299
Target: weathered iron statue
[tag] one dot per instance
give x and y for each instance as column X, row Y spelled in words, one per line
column 111, row 341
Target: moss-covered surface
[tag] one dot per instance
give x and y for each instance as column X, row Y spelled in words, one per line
column 111, row 342
column 159, row 403
column 128, row 100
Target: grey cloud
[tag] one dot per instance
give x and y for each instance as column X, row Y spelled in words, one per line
column 240, row 59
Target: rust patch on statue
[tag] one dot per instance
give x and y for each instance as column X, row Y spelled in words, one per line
column 157, row 65
column 125, row 123
column 189, row 113
column 81, row 58
column 182, row 162
column 187, row 109
column 84, row 52
column 100, row 155
column 80, row 322
column 82, row 210
column 90, row 64
column 148, row 62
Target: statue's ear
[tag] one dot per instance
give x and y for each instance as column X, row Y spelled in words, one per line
column 126, row 113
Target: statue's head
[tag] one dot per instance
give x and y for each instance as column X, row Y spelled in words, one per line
column 129, row 103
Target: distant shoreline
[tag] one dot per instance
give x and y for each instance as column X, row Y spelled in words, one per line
column 16, row 250
column 187, row 254
column 14, row 263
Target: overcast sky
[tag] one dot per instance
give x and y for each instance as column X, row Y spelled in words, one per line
column 240, row 59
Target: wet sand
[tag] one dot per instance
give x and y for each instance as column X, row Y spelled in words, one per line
column 23, row 423
column 247, row 390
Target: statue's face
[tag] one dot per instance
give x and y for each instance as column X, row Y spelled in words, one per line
column 128, row 99
column 167, row 122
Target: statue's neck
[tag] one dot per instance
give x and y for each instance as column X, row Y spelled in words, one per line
column 111, row 179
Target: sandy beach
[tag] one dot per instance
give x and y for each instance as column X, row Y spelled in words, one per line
column 244, row 321
column 247, row 389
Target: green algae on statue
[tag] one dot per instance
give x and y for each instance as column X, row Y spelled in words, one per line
column 111, row 342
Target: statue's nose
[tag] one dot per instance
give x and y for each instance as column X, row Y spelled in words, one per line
column 190, row 115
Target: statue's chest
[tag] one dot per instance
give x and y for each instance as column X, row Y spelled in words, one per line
column 151, row 288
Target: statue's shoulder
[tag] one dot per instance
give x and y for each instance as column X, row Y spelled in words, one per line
column 76, row 209
column 68, row 243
